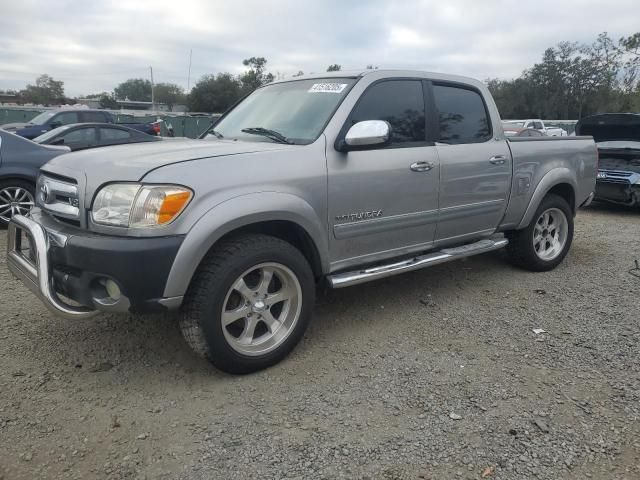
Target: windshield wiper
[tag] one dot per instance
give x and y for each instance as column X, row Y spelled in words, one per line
column 213, row 132
column 265, row 132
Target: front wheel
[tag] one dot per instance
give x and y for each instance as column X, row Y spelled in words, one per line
column 544, row 243
column 249, row 303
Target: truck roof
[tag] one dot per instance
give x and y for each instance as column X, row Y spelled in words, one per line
column 383, row 73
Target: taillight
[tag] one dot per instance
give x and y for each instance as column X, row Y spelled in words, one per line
column 156, row 128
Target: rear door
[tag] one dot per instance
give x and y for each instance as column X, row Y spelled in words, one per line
column 383, row 201
column 475, row 167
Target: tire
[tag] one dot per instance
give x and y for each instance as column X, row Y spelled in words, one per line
column 543, row 244
column 16, row 196
column 232, row 278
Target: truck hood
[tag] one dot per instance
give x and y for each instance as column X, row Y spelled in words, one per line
column 611, row 127
column 130, row 163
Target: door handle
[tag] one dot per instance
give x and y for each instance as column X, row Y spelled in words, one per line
column 421, row 166
column 498, row 160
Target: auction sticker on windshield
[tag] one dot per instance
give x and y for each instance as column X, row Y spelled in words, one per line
column 328, row 87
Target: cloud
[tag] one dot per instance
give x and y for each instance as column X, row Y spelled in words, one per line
column 92, row 46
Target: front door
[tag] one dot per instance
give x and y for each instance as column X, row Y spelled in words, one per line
column 475, row 169
column 383, row 202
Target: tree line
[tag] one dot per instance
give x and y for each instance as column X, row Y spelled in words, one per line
column 212, row 93
column 572, row 80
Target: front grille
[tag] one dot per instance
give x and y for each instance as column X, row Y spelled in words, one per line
column 614, row 176
column 59, row 197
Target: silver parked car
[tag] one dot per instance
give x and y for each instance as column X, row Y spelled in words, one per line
column 342, row 178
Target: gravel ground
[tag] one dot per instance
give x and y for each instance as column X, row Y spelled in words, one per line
column 433, row 374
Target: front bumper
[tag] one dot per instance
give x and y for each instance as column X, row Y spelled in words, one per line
column 74, row 271
column 619, row 187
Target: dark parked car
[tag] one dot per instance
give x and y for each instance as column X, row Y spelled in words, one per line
column 21, row 159
column 617, row 136
column 51, row 119
column 88, row 135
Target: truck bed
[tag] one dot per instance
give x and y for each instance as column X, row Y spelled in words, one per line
column 535, row 157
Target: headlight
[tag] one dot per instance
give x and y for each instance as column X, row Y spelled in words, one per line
column 135, row 205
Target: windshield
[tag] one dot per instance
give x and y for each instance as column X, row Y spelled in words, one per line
column 296, row 111
column 42, row 118
column 51, row 133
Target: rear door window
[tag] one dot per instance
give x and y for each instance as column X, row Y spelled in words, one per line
column 462, row 115
column 113, row 134
column 94, row 117
column 399, row 102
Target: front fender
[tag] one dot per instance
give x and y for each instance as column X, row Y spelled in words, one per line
column 21, row 172
column 552, row 178
column 239, row 212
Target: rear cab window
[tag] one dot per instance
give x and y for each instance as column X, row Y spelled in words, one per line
column 462, row 115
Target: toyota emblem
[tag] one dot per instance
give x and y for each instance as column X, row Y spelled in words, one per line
column 44, row 193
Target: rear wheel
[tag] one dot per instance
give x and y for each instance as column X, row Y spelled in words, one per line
column 249, row 303
column 17, row 197
column 544, row 243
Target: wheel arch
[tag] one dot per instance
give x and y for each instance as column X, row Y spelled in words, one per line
column 18, row 176
column 559, row 181
column 281, row 215
column 566, row 191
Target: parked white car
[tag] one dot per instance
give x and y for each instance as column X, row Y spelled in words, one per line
column 539, row 125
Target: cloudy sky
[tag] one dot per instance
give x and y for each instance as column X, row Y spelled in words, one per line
column 92, row 45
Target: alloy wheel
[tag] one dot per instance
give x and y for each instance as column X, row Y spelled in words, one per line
column 261, row 309
column 15, row 201
column 550, row 234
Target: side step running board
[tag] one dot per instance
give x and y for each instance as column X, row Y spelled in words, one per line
column 347, row 279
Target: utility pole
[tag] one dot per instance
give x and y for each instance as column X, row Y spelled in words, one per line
column 189, row 75
column 152, row 98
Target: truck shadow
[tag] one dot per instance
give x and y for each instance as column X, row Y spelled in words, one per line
column 611, row 208
column 150, row 348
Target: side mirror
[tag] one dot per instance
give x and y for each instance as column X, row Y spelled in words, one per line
column 366, row 134
column 58, row 141
column 55, row 124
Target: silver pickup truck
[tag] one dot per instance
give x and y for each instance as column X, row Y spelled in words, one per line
column 341, row 178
